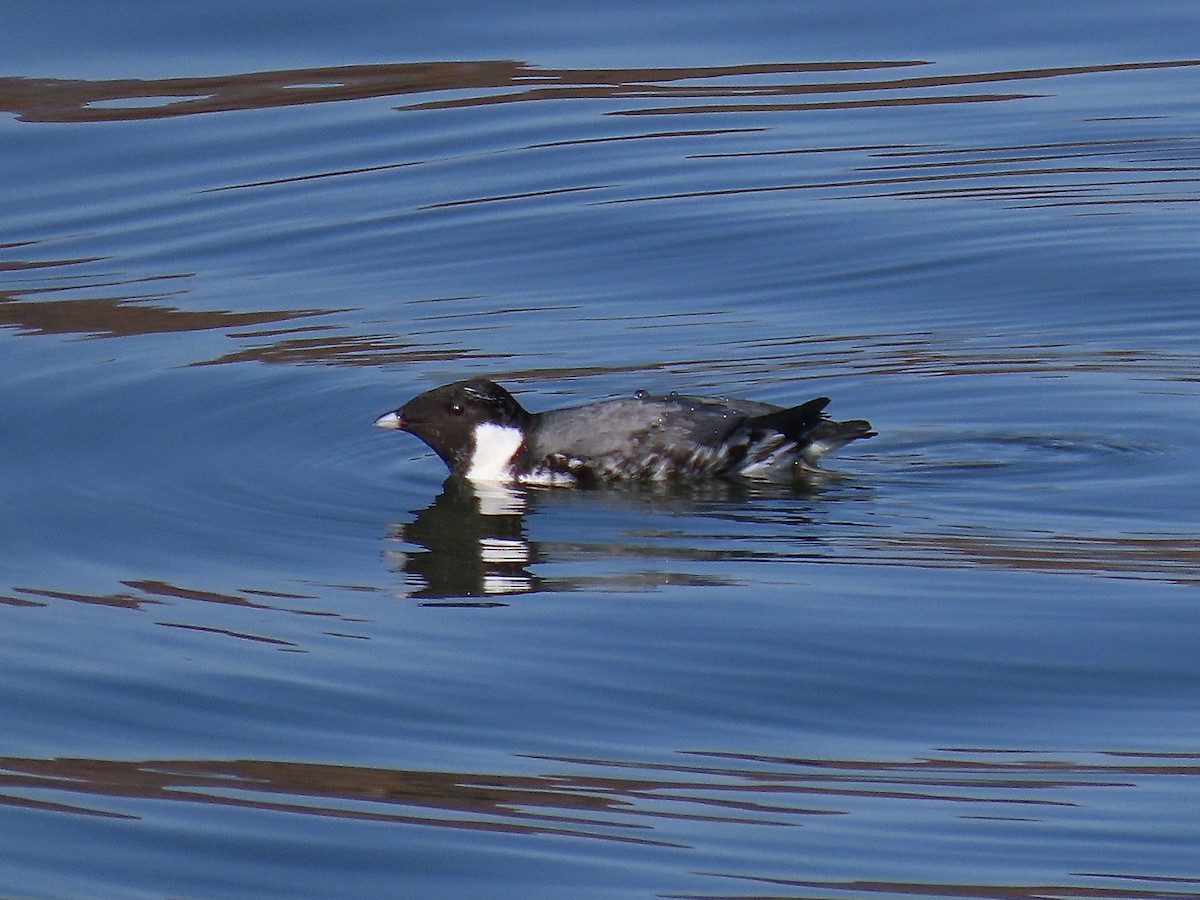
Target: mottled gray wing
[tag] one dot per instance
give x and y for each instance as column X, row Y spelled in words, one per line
column 651, row 424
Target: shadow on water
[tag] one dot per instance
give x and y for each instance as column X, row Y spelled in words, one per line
column 631, row 801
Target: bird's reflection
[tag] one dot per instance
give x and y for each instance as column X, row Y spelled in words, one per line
column 470, row 544
column 470, row 547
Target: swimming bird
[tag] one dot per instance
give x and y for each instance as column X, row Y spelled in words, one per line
column 481, row 432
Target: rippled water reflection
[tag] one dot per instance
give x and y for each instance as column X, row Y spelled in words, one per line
column 253, row 645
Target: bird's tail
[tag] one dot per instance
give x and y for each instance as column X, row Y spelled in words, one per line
column 814, row 433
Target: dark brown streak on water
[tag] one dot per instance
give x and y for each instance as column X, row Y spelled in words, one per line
column 112, row 316
column 21, row 265
column 157, row 588
column 17, row 601
column 57, row 100
column 159, row 593
column 60, row 100
column 241, row 635
column 641, row 86
column 582, row 803
column 120, row 316
column 463, row 800
column 120, row 600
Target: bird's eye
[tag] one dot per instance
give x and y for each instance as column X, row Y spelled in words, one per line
column 456, row 409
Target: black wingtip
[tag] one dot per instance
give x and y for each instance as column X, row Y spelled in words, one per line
column 797, row 420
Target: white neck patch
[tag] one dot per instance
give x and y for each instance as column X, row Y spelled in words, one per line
column 495, row 447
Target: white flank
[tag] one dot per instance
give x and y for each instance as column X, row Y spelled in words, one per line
column 546, row 478
column 495, row 447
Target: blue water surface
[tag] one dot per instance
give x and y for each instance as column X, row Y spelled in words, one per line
column 253, row 646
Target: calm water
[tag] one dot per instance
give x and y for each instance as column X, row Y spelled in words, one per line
column 252, row 646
